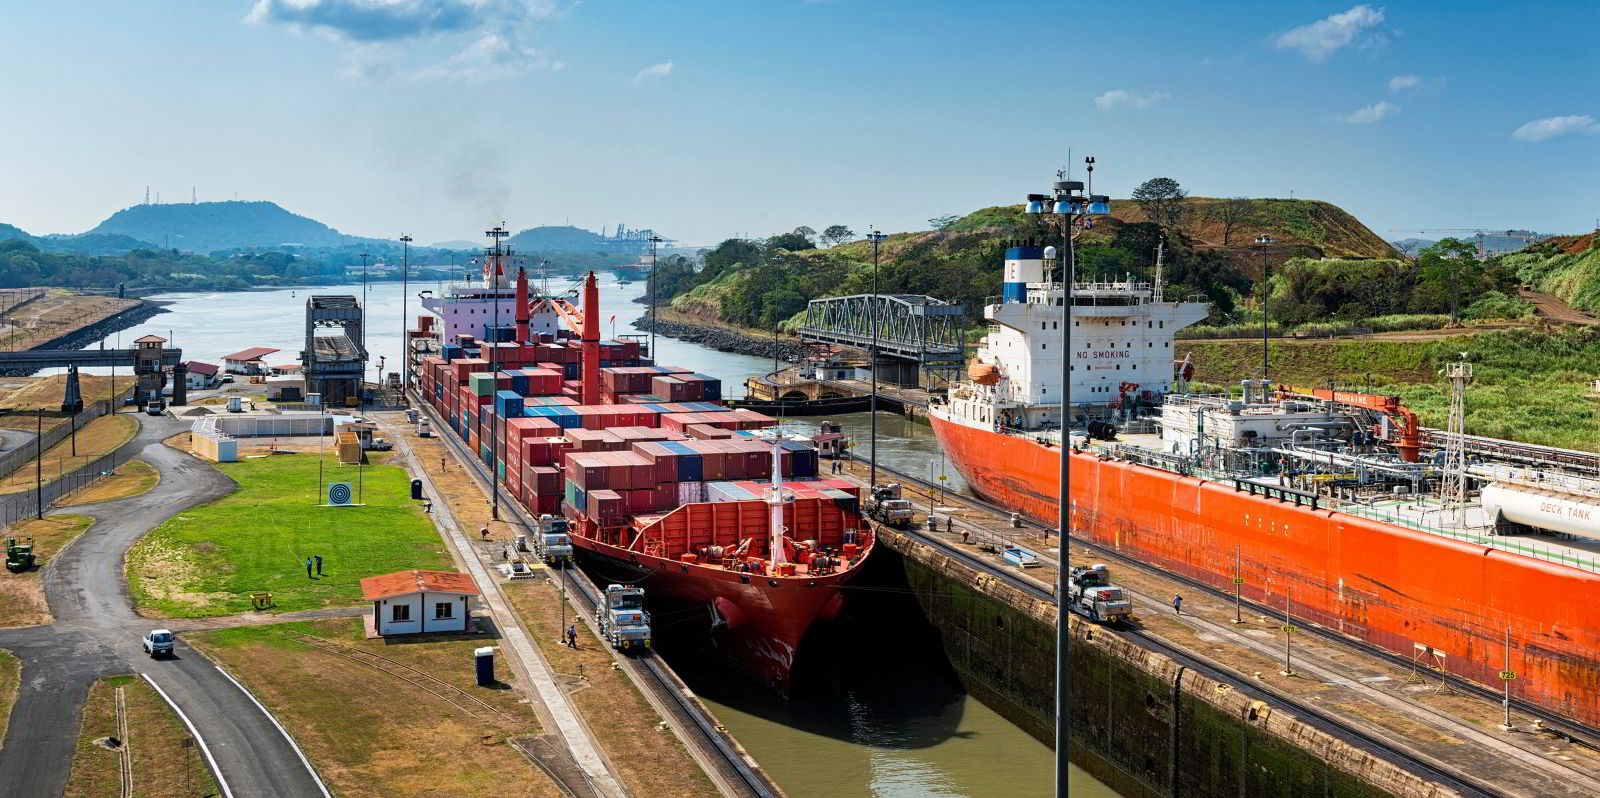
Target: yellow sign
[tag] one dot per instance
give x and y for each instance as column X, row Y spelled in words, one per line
column 1289, row 628
column 1238, row 580
column 1507, row 676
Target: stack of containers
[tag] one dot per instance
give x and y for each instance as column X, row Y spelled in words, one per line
column 508, row 404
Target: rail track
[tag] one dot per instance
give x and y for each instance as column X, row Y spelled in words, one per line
column 736, row 768
column 1576, row 732
column 422, row 680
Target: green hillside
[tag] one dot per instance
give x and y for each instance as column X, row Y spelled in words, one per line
column 1567, row 266
column 204, row 227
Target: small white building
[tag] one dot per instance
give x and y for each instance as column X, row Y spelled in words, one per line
column 201, row 375
column 419, row 602
column 248, row 361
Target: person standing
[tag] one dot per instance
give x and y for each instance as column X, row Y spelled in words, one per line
column 572, row 636
column 308, row 567
column 1177, row 603
column 318, row 558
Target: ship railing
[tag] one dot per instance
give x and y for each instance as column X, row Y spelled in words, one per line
column 1151, row 457
column 1300, row 498
column 1574, row 558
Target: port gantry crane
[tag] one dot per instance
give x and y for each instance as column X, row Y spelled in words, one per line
column 1479, row 234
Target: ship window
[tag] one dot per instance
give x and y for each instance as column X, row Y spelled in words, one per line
column 1150, row 344
column 1166, row 343
column 1162, row 324
column 1119, row 367
column 1077, row 324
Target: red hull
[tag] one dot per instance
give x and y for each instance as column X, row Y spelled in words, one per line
column 1392, row 586
column 762, row 618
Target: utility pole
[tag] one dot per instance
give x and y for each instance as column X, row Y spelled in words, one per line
column 1506, row 676
column 405, row 338
column 1238, row 588
column 876, row 237
column 1454, row 486
column 363, row 303
column 1288, row 633
column 38, row 463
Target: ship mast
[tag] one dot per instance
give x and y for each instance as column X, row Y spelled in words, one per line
column 776, row 500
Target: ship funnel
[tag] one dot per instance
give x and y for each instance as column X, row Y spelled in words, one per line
column 1024, row 264
column 522, row 306
column 591, row 340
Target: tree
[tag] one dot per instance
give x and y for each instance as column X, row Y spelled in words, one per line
column 837, row 234
column 807, row 233
column 1231, row 213
column 1162, row 201
column 1450, row 267
column 794, row 242
column 942, row 222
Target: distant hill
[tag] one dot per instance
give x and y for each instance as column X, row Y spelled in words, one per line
column 209, row 226
column 8, row 232
column 557, row 238
column 93, row 244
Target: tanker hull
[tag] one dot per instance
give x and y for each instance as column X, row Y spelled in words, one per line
column 1442, row 602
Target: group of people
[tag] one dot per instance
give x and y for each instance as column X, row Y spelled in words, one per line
column 314, row 560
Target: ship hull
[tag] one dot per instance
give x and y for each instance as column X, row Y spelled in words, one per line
column 756, row 624
column 1442, row 602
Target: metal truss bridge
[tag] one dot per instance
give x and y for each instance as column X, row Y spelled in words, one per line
column 910, row 326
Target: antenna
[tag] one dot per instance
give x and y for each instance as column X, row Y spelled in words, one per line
column 192, row 199
column 1161, row 248
column 147, row 198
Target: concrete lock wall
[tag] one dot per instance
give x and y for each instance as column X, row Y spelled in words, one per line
column 1142, row 724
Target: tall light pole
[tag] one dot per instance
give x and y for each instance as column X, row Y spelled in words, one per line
column 363, row 302
column 495, row 234
column 876, row 237
column 1075, row 206
column 654, row 240
column 1262, row 242
column 405, row 308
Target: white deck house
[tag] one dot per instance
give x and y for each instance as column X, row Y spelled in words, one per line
column 419, row 602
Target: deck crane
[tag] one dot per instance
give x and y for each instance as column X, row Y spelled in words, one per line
column 1403, row 427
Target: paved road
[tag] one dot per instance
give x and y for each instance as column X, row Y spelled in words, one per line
column 96, row 633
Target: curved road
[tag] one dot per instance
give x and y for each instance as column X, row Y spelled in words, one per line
column 97, row 633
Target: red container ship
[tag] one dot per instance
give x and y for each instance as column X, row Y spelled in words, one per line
column 659, row 481
column 1414, row 540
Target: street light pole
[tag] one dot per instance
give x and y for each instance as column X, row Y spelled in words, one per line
column 1266, row 292
column 876, row 237
column 1074, row 205
column 405, row 307
column 654, row 300
column 493, row 276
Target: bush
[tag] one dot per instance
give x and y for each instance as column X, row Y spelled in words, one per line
column 1496, row 305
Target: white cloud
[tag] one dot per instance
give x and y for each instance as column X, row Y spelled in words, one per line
column 1555, row 126
column 1400, row 83
column 1119, row 99
column 1368, row 114
column 653, row 72
column 1318, row 40
column 391, row 20
column 492, row 55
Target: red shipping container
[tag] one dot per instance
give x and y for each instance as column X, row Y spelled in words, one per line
column 707, row 432
column 606, row 504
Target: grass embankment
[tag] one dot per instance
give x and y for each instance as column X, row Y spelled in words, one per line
column 372, row 733
column 1528, row 385
column 1568, row 267
column 20, row 405
column 22, row 595
column 130, row 479
column 10, row 681
column 94, row 440
column 162, row 766
column 209, row 559
column 650, row 760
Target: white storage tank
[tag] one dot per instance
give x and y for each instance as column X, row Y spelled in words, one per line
column 1557, row 512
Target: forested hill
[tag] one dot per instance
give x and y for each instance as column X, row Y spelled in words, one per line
column 204, row 227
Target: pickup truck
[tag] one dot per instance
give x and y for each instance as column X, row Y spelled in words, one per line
column 158, row 642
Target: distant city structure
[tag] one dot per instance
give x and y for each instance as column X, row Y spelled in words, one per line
column 635, row 242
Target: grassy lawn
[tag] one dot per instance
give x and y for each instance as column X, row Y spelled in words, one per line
column 162, row 766
column 651, row 760
column 10, row 680
column 95, row 439
column 371, row 733
column 130, row 479
column 209, row 559
column 22, row 595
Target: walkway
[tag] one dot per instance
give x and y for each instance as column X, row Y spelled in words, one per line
column 557, row 713
column 97, row 633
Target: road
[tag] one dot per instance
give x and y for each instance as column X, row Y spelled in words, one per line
column 1552, row 308
column 97, row 633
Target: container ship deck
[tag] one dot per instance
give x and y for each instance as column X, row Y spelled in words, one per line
column 707, row 508
column 1459, row 552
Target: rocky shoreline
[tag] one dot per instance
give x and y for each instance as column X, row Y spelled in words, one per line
column 723, row 339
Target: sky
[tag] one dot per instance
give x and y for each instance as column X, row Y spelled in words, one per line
column 706, row 119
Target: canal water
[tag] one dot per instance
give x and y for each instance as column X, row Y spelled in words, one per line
column 876, row 711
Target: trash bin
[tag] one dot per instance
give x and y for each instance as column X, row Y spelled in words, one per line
column 416, row 489
column 485, row 661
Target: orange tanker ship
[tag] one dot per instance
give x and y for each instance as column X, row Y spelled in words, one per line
column 1361, row 547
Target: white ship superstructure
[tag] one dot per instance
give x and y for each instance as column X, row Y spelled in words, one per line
column 468, row 307
column 1121, row 348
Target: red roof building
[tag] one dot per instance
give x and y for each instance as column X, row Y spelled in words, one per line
column 417, row 602
column 247, row 361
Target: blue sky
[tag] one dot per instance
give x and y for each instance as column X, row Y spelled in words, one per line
column 705, row 119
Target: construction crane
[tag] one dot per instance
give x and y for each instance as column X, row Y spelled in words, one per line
column 1480, row 234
